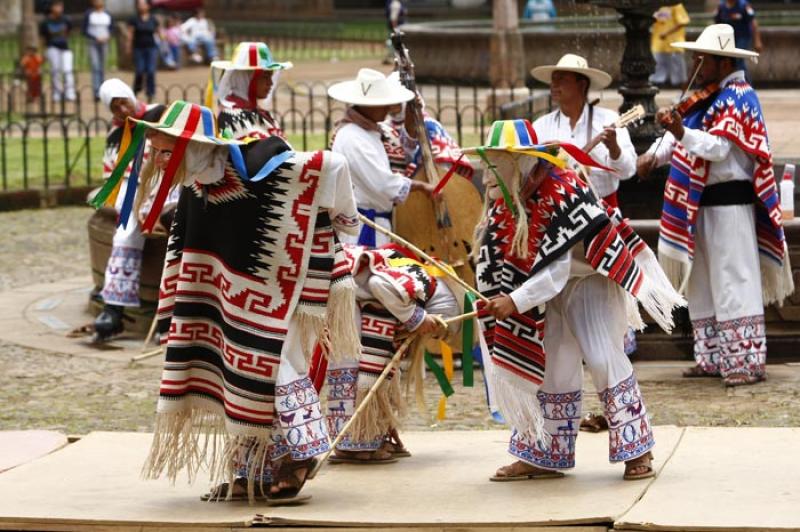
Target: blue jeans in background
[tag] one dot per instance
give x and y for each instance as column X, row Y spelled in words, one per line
column 98, row 51
column 208, row 45
column 144, row 63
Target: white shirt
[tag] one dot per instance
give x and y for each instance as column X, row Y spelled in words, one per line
column 555, row 126
column 336, row 194
column 728, row 161
column 195, row 28
column 99, row 25
column 374, row 183
column 405, row 309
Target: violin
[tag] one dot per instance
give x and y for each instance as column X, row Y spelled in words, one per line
column 687, row 104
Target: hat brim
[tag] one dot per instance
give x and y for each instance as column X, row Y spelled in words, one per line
column 598, row 79
column 735, row 52
column 537, row 151
column 230, row 65
column 175, row 132
column 350, row 92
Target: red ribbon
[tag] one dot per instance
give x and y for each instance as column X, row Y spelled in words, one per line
column 447, row 176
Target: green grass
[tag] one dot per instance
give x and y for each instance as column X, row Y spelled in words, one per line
column 47, row 162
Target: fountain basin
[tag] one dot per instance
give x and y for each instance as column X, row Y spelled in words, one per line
column 458, row 51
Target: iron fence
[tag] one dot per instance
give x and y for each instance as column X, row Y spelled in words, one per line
column 61, row 145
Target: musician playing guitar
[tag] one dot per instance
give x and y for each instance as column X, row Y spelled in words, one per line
column 582, row 123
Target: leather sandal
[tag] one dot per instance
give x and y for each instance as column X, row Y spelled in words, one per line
column 648, row 471
column 532, row 474
column 593, row 423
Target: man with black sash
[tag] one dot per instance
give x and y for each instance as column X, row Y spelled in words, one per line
column 721, row 239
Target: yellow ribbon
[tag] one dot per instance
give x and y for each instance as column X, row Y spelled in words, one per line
column 447, row 361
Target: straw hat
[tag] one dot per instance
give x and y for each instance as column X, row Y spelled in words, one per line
column 188, row 121
column 370, row 88
column 716, row 39
column 573, row 63
column 251, row 56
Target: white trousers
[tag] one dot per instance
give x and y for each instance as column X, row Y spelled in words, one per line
column 62, row 78
column 724, row 293
column 586, row 323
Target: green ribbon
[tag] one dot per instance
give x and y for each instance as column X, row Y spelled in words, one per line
column 467, row 336
column 506, row 195
column 119, row 170
column 438, row 372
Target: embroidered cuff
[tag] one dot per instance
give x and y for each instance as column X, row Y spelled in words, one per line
column 416, row 319
column 402, row 194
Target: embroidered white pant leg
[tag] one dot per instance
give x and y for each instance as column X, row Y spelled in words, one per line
column 560, row 397
column 726, row 236
column 596, row 314
column 124, row 267
column 300, row 427
column 342, row 380
column 701, row 312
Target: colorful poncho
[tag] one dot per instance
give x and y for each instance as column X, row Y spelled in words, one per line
column 735, row 114
column 562, row 214
column 245, row 260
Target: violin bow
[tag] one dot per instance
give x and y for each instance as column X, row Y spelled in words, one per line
column 683, row 95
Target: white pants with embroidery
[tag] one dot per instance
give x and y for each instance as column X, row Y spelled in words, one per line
column 586, row 322
column 124, row 267
column 724, row 293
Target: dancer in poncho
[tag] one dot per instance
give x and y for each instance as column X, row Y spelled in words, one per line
column 549, row 249
column 124, row 267
column 397, row 295
column 250, row 284
column 359, row 138
column 244, row 87
column 721, row 236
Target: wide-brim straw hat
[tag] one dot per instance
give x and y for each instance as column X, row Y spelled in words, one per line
column 577, row 64
column 716, row 39
column 190, row 121
column 251, row 56
column 370, row 88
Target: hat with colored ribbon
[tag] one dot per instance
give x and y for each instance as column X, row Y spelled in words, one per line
column 251, row 56
column 186, row 122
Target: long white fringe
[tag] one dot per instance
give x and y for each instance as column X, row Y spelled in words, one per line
column 777, row 282
column 518, row 403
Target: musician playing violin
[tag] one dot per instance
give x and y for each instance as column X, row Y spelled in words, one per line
column 721, row 239
column 582, row 123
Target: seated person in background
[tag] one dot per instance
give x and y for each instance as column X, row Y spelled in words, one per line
column 199, row 31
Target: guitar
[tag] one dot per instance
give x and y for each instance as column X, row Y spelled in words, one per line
column 632, row 116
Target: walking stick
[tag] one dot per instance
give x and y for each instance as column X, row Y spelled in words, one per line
column 150, row 332
column 442, row 266
column 395, row 359
column 147, row 354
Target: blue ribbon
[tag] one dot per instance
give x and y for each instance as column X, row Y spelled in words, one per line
column 270, row 166
column 130, row 191
column 367, row 235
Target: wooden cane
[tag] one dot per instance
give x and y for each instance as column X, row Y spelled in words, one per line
column 150, row 333
column 395, row 359
column 442, row 266
column 147, row 354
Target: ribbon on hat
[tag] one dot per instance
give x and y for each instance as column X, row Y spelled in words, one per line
column 506, row 195
column 130, row 142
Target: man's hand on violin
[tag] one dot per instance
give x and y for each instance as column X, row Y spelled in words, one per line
column 671, row 120
column 609, row 138
column 501, row 307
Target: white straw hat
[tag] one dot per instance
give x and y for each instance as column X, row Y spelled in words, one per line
column 370, row 88
column 573, row 63
column 716, row 39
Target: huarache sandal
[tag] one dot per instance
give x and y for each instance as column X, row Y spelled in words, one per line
column 593, row 423
column 392, row 444
column 219, row 493
column 83, row 330
column 521, row 471
column 362, row 457
column 288, row 473
column 644, row 464
column 696, row 372
column 740, row 379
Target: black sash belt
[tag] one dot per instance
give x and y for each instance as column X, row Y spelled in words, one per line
column 729, row 193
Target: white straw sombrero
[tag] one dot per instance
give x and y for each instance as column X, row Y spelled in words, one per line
column 716, row 39
column 370, row 88
column 573, row 63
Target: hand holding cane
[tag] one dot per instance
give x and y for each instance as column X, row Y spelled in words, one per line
column 386, row 371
